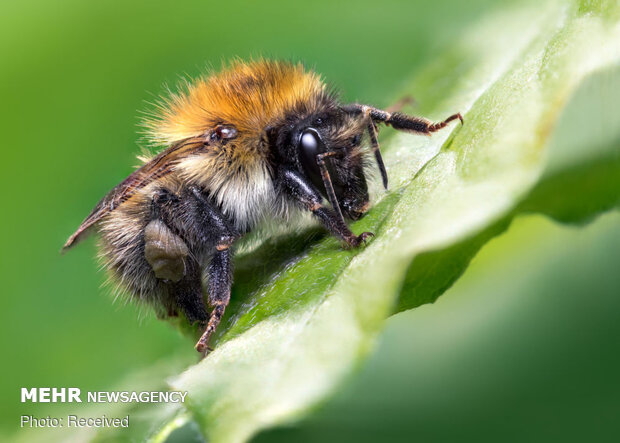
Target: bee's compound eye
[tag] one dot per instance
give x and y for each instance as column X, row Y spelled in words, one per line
column 310, row 145
column 309, row 141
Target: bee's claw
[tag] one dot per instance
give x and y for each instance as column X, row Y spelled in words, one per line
column 203, row 349
column 354, row 241
column 364, row 235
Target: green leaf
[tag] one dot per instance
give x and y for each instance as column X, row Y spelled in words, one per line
column 582, row 175
column 507, row 354
column 305, row 311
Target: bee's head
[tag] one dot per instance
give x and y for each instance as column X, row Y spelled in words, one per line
column 333, row 137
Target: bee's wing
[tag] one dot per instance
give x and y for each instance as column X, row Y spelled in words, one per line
column 158, row 167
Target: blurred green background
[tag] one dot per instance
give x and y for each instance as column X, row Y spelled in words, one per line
column 74, row 77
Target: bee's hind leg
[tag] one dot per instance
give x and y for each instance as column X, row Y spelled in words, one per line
column 187, row 294
column 220, row 271
column 171, row 261
column 220, row 282
column 193, row 216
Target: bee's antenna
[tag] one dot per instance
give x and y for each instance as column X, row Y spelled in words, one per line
column 327, row 181
column 369, row 113
column 372, row 131
column 400, row 122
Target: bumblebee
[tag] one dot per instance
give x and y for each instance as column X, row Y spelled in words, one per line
column 256, row 142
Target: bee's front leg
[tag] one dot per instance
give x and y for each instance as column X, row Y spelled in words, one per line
column 303, row 191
